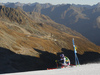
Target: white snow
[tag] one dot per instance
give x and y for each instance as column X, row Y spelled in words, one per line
column 88, row 69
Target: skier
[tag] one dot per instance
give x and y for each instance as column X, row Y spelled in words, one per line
column 64, row 61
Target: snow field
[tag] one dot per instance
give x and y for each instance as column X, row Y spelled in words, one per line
column 88, row 69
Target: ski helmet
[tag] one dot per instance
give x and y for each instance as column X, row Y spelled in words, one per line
column 62, row 55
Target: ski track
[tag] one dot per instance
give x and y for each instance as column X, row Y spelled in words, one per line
column 88, row 69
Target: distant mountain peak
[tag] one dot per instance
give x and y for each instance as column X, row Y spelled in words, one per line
column 98, row 2
column 19, row 4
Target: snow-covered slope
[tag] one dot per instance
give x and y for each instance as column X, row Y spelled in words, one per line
column 88, row 69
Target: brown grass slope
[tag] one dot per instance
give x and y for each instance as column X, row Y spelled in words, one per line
column 22, row 34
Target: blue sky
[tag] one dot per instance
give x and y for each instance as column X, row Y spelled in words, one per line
column 89, row 2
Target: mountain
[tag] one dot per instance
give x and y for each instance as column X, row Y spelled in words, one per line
column 79, row 5
column 96, row 5
column 32, row 41
column 82, row 18
column 28, row 7
column 20, row 22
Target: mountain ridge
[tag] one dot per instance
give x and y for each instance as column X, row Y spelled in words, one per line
column 36, row 31
column 77, row 18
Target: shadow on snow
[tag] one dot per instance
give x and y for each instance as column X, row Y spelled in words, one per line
column 12, row 62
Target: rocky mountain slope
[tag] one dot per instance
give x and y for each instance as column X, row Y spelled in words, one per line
column 82, row 18
column 17, row 23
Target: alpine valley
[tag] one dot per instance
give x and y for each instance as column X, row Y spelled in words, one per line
column 85, row 19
